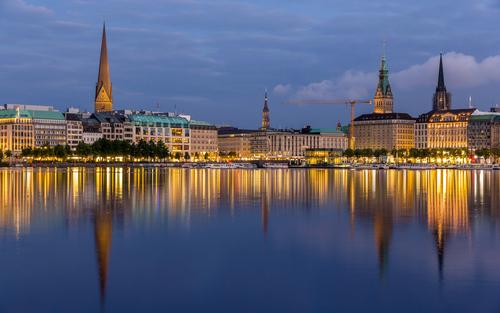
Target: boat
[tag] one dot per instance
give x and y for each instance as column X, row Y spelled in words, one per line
column 245, row 165
column 496, row 167
column 275, row 165
column 219, row 166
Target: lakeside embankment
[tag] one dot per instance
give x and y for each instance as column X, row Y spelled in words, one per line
column 251, row 165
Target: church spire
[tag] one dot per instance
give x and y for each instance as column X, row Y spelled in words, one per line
column 266, row 123
column 383, row 100
column 104, row 88
column 442, row 98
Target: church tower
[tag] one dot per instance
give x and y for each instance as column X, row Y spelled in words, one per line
column 104, row 89
column 383, row 96
column 442, row 98
column 266, row 122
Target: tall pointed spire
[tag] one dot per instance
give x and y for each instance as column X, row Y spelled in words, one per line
column 441, row 85
column 442, row 98
column 383, row 100
column 104, row 88
column 266, row 122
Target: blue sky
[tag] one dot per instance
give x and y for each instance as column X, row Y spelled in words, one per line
column 213, row 59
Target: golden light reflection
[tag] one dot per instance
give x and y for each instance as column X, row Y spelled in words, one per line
column 440, row 200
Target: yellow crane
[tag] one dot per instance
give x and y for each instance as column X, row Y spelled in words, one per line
column 351, row 102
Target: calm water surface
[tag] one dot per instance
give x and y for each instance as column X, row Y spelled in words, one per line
column 178, row 240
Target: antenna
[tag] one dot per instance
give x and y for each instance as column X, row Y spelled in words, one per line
column 470, row 102
column 384, row 48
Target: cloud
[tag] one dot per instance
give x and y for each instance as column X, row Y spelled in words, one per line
column 352, row 85
column 461, row 71
column 22, row 7
column 281, row 89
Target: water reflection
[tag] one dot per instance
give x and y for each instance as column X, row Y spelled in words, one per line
column 445, row 202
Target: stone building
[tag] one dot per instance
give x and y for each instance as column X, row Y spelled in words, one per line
column 16, row 130
column 483, row 131
column 204, row 138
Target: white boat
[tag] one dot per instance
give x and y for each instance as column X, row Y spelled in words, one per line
column 275, row 165
column 496, row 167
column 219, row 166
column 245, row 165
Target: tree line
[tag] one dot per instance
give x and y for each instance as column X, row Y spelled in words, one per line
column 112, row 149
column 419, row 153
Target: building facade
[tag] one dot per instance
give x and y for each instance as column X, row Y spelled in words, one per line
column 384, row 131
column 483, row 131
column 237, row 141
column 74, row 129
column 204, row 138
column 442, row 129
column 16, row 130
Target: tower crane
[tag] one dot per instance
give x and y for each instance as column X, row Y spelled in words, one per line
column 351, row 102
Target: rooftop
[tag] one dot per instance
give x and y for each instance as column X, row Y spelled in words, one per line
column 383, row 116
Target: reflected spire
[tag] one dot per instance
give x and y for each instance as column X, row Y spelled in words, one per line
column 103, row 226
column 382, row 228
column 440, row 239
column 264, row 203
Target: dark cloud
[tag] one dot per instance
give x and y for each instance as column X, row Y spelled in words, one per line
column 215, row 58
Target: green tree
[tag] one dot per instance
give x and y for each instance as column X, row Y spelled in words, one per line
column 27, row 152
column 60, row 152
column 187, row 157
column 1, row 155
column 177, row 155
column 206, row 156
column 8, row 154
column 349, row 153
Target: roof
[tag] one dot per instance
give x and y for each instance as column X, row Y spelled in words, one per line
column 383, row 116
column 46, row 115
column 109, row 117
column 435, row 116
column 491, row 117
column 200, row 123
column 234, row 131
column 73, row 116
column 14, row 113
column 158, row 119
column 326, row 130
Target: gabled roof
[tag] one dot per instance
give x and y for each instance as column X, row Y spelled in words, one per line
column 435, row 114
column 383, row 116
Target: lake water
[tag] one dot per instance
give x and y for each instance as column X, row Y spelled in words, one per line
column 180, row 240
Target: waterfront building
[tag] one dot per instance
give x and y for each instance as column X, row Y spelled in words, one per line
column 237, row 141
column 16, row 130
column 323, row 156
column 384, row 128
column 204, row 138
column 483, row 131
column 112, row 125
column 266, row 122
column 443, row 127
column 48, row 124
column 74, row 129
column 294, row 143
column 279, row 144
column 174, row 131
column 104, row 88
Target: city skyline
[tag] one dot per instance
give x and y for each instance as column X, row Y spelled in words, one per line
column 65, row 69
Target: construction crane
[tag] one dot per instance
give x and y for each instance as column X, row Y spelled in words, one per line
column 350, row 102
